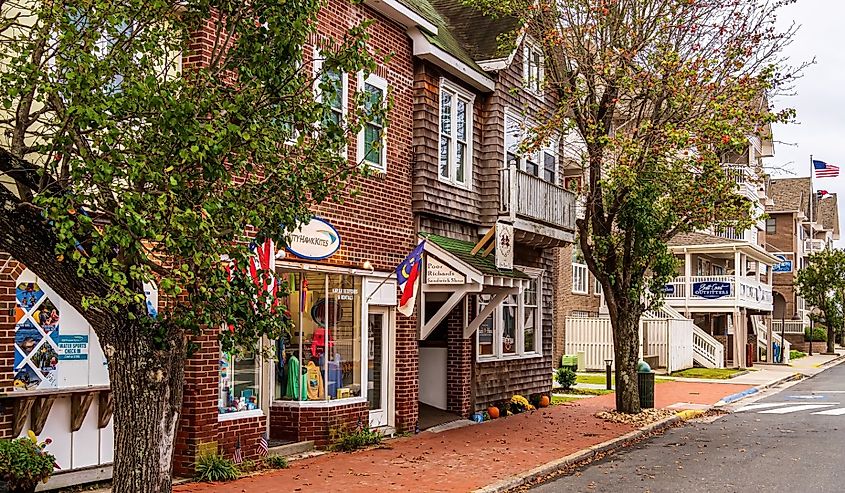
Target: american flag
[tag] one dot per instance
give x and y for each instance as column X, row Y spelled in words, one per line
column 262, row 445
column 239, row 455
column 824, row 170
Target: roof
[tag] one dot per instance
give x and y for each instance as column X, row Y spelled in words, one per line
column 462, row 251
column 687, row 239
column 464, row 32
column 829, row 213
column 790, row 194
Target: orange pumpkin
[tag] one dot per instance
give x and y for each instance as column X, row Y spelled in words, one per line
column 544, row 401
column 493, row 411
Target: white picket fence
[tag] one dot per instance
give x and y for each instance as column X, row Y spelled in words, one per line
column 670, row 340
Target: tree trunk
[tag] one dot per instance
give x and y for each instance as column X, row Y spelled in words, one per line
column 146, row 387
column 831, row 339
column 625, row 321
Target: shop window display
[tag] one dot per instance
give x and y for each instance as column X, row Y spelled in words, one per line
column 239, row 383
column 321, row 358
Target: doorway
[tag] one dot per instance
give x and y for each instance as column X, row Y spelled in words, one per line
column 378, row 364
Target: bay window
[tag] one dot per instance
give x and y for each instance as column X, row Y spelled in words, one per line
column 514, row 327
column 455, row 161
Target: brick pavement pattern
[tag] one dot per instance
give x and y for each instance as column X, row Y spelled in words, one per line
column 467, row 458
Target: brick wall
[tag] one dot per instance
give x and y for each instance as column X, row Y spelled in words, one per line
column 289, row 422
column 10, row 269
column 459, row 364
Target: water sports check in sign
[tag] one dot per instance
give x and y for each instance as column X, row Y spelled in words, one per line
column 73, row 347
column 711, row 290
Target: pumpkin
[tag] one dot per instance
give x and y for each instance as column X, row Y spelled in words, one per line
column 544, row 401
column 493, row 411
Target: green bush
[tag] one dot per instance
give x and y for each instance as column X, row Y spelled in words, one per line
column 819, row 334
column 566, row 378
column 23, row 463
column 276, row 462
column 795, row 354
column 347, row 440
column 214, row 467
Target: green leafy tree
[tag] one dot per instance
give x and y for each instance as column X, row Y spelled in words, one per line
column 130, row 153
column 656, row 93
column 822, row 284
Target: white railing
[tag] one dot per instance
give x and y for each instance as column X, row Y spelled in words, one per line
column 580, row 279
column 525, row 195
column 703, row 289
column 707, row 350
column 814, row 245
column 743, row 176
column 788, row 326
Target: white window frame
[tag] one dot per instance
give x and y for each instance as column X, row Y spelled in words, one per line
column 457, row 93
column 597, row 287
column 533, row 85
column 538, row 156
column 581, row 281
column 380, row 83
column 344, row 84
column 498, row 328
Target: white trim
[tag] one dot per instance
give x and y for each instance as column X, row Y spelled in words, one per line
column 502, row 63
column 427, row 51
column 396, row 11
column 529, row 46
column 381, row 84
column 458, row 94
column 252, row 413
column 320, row 403
column 317, row 66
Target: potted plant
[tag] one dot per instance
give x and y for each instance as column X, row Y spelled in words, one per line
column 24, row 462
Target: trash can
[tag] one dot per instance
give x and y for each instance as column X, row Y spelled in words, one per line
column 569, row 361
column 645, row 383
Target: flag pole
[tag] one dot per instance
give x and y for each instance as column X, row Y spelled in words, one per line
column 812, row 168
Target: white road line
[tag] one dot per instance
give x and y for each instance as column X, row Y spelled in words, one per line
column 795, row 409
column 765, row 405
column 832, row 412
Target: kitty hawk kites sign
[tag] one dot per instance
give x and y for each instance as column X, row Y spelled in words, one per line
column 315, row 240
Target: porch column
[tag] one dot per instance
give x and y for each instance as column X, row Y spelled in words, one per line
column 738, row 271
column 687, row 280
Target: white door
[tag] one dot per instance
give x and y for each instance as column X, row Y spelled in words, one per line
column 377, row 366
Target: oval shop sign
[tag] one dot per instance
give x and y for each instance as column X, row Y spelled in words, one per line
column 314, row 240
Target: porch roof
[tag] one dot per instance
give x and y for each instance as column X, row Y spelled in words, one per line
column 705, row 243
column 462, row 250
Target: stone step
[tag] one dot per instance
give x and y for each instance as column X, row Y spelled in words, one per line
column 290, row 449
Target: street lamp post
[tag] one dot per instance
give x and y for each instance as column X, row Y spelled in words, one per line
column 815, row 312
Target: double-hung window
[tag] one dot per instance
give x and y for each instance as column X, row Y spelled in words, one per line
column 455, row 135
column 533, row 70
column 541, row 162
column 372, row 140
column 332, row 87
column 514, row 327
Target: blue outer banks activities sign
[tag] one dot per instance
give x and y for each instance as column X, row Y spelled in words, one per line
column 784, row 265
column 711, row 290
column 73, row 347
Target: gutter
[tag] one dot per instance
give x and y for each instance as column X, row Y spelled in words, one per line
column 425, row 50
column 398, row 12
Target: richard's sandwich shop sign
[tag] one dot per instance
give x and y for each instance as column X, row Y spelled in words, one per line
column 314, row 240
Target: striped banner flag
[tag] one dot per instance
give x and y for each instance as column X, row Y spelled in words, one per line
column 262, row 445
column 239, row 455
column 824, row 170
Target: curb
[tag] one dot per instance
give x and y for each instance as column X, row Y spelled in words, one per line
column 834, row 361
column 554, row 466
column 729, row 399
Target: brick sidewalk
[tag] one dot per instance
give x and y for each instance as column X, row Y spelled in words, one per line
column 467, row 458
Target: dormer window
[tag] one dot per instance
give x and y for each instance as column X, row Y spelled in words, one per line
column 532, row 67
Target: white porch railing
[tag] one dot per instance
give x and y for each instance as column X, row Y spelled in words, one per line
column 743, row 176
column 718, row 289
column 788, row 326
column 813, row 245
column 708, row 352
column 523, row 194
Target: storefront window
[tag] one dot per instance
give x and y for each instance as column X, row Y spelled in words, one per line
column 509, row 317
column 239, row 383
column 321, row 358
column 514, row 327
column 485, row 330
column 530, row 318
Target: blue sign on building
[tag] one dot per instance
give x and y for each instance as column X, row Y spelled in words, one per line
column 711, row 290
column 784, row 265
column 669, row 289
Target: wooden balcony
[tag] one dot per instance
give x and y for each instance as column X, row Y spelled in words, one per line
column 535, row 205
column 702, row 292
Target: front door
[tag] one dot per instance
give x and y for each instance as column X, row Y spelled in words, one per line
column 377, row 366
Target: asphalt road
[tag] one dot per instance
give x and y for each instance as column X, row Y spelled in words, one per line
column 791, row 440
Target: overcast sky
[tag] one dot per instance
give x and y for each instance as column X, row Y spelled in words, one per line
column 820, row 98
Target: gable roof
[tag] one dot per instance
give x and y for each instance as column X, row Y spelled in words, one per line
column 790, row 194
column 829, row 213
column 477, row 32
column 462, row 250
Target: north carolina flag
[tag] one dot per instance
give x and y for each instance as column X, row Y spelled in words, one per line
column 407, row 274
column 824, row 170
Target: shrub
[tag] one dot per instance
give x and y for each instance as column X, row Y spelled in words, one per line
column 795, row 354
column 819, row 334
column 565, row 377
column 276, row 462
column 347, row 440
column 215, row 467
column 519, row 404
column 24, row 462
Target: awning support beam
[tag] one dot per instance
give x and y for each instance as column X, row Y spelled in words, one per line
column 444, row 310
